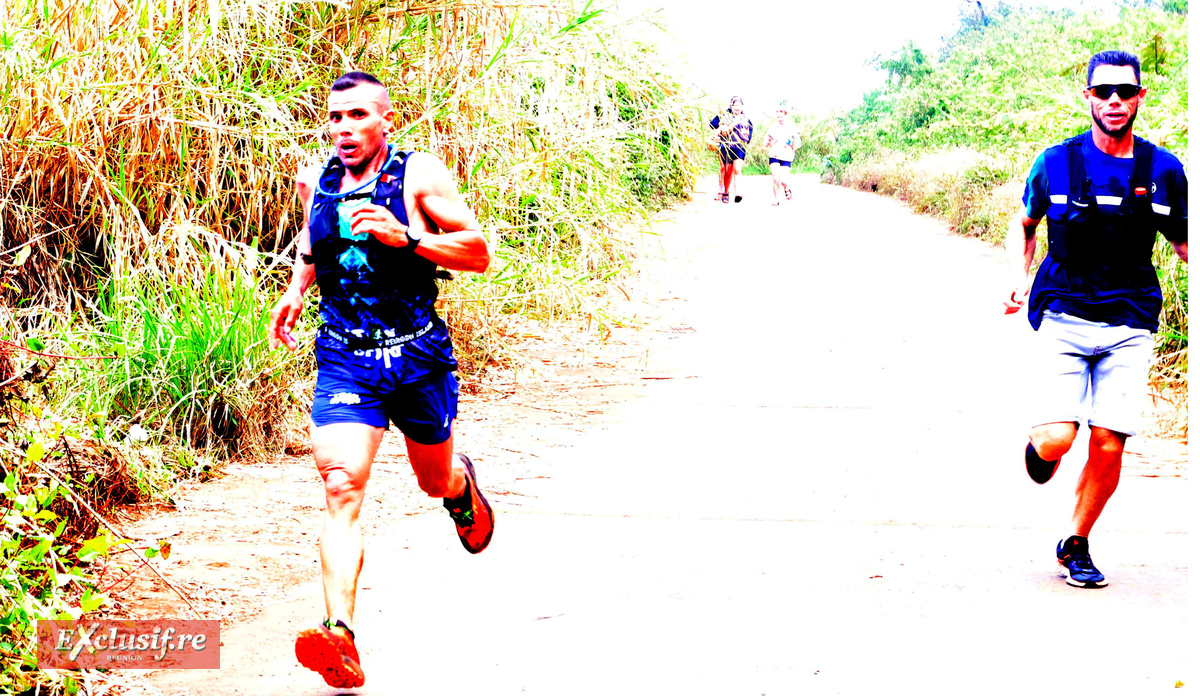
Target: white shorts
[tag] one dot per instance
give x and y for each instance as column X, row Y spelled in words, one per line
column 1113, row 361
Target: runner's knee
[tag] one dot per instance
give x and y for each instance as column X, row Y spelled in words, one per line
column 1053, row 440
column 1107, row 441
column 343, row 485
column 339, row 483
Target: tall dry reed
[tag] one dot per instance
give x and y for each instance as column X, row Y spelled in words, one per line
column 126, row 120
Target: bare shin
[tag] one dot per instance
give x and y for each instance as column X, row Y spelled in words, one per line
column 1099, row 479
column 344, row 453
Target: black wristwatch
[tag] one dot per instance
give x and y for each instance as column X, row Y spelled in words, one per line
column 412, row 241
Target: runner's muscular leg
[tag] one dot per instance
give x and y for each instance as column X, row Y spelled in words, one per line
column 344, row 453
column 1099, row 479
column 434, row 466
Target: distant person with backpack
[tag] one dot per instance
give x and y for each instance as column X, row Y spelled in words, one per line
column 1095, row 299
column 732, row 133
column 781, row 148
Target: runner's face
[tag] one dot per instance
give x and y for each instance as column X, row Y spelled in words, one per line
column 359, row 121
column 1114, row 116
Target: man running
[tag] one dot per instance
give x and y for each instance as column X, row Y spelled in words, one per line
column 1095, row 299
column 378, row 222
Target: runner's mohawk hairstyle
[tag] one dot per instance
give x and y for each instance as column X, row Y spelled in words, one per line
column 353, row 79
column 1117, row 58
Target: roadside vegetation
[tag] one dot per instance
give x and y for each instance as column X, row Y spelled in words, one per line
column 147, row 219
column 954, row 134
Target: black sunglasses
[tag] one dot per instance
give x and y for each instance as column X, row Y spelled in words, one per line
column 1125, row 91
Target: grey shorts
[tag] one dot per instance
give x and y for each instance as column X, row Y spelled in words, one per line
column 1081, row 358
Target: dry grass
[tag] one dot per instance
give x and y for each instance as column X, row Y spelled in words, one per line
column 974, row 193
column 131, row 129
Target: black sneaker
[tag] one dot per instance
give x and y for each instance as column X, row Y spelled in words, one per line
column 1077, row 563
column 1039, row 469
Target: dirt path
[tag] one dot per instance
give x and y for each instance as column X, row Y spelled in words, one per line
column 804, row 477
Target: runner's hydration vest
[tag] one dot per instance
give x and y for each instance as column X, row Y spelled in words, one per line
column 368, row 289
column 1099, row 263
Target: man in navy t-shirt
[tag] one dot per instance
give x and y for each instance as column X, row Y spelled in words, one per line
column 1095, row 299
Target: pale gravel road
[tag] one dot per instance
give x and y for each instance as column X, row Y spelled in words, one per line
column 829, row 498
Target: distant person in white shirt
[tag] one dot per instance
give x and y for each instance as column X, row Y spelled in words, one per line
column 781, row 148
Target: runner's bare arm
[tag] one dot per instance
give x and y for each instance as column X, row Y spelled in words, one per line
column 1181, row 249
column 1021, row 245
column 448, row 230
column 287, row 310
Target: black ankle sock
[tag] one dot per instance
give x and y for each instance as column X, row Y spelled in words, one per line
column 465, row 496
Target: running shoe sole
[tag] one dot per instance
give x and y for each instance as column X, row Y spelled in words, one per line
column 318, row 649
column 1088, row 584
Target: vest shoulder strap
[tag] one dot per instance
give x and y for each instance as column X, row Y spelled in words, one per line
column 1143, row 163
column 391, row 180
column 1075, row 169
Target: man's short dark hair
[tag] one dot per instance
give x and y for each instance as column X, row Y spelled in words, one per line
column 353, row 79
column 1115, row 58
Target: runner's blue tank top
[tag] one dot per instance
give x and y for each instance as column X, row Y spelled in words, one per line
column 375, row 293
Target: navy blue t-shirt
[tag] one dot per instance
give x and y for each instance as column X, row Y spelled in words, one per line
column 741, row 134
column 1047, row 191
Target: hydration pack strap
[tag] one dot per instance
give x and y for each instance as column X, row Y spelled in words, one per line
column 1143, row 173
column 1076, row 171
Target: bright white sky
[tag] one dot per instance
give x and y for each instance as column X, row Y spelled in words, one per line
column 810, row 53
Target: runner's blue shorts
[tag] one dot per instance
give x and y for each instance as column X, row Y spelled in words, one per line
column 370, row 387
column 780, row 162
column 731, row 153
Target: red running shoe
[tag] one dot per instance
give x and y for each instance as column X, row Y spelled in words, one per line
column 329, row 650
column 471, row 513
